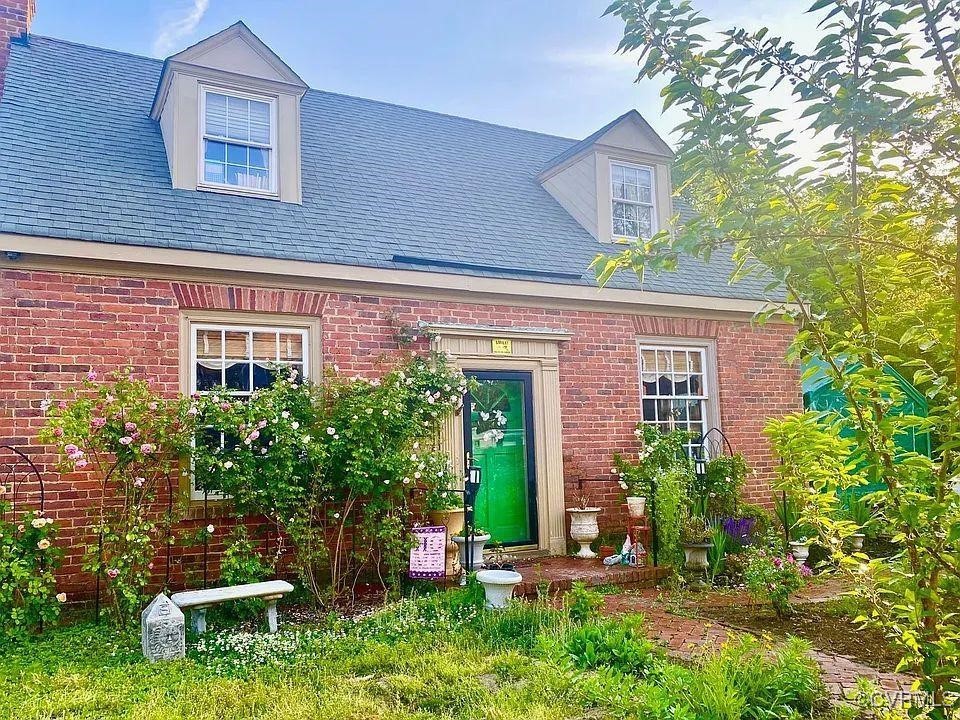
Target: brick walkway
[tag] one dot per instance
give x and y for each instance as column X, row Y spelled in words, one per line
column 684, row 637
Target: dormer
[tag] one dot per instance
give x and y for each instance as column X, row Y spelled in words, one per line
column 616, row 182
column 229, row 112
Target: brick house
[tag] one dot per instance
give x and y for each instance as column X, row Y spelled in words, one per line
column 199, row 217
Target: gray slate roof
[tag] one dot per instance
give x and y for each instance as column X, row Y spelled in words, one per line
column 80, row 158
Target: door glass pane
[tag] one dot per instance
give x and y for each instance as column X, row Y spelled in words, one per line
column 499, row 446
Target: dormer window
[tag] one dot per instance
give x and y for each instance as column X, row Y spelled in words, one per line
column 239, row 141
column 633, row 199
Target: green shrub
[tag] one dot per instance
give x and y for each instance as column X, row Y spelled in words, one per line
column 773, row 578
column 618, row 644
column 242, row 562
column 582, row 604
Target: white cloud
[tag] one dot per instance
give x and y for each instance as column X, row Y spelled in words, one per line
column 179, row 26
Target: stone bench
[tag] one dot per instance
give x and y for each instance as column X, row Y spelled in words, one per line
column 197, row 601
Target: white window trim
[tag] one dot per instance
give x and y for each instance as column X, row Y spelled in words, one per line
column 196, row 327
column 202, row 183
column 711, row 383
column 654, row 216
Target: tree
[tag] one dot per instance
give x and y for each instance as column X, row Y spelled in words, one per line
column 861, row 246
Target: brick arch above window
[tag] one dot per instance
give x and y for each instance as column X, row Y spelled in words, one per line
column 676, row 327
column 203, row 296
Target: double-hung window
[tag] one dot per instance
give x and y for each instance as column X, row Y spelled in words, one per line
column 235, row 360
column 675, row 389
column 239, row 141
column 633, row 201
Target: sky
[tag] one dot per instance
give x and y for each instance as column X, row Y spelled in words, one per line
column 545, row 65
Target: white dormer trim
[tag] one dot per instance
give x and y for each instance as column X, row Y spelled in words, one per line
column 235, row 62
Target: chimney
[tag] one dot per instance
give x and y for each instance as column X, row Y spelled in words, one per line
column 15, row 19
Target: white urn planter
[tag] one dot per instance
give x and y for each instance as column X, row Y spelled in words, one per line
column 498, row 586
column 695, row 556
column 856, row 542
column 584, row 529
column 800, row 551
column 478, row 542
column 636, row 505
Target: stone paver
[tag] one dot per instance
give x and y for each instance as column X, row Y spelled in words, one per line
column 685, row 636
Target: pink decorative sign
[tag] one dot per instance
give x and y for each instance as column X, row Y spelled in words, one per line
column 427, row 556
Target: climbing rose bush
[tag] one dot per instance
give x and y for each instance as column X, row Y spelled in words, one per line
column 332, row 463
column 124, row 433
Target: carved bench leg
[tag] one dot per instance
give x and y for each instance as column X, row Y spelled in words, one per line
column 272, row 615
column 198, row 618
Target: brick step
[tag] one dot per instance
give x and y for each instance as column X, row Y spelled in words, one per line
column 559, row 574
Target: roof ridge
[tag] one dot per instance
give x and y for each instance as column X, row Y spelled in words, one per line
column 332, row 93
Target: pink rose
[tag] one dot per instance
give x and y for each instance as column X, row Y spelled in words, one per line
column 62, row 404
column 130, row 426
column 255, row 434
column 146, row 448
column 138, row 482
column 58, row 432
column 192, row 411
column 70, row 448
column 75, row 455
column 152, row 406
column 112, row 573
column 80, row 464
column 225, row 406
column 92, row 375
column 126, row 440
column 98, row 422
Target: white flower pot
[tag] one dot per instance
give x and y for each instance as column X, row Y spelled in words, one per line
column 478, row 542
column 636, row 505
column 695, row 556
column 800, row 551
column 498, row 586
column 584, row 529
column 856, row 542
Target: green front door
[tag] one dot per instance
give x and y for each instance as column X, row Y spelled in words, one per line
column 500, row 441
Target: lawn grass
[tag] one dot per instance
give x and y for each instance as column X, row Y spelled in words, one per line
column 436, row 657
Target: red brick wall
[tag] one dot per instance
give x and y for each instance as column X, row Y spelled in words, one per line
column 55, row 327
column 15, row 18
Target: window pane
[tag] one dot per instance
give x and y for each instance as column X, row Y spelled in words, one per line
column 263, row 376
column 214, row 172
column 209, row 343
column 265, row 346
column 213, row 150
column 257, row 178
column 696, row 385
column 695, row 362
column 259, row 158
column 260, row 122
column 238, row 118
column 631, row 229
column 237, row 345
column 216, row 114
column 237, row 154
column 650, row 388
column 238, row 376
column 209, row 375
column 645, row 214
column 649, row 410
column 236, row 175
column 291, row 346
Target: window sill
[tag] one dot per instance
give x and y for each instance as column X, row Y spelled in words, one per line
column 243, row 192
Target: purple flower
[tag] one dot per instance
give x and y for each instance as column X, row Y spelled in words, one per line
column 92, row 375
column 126, row 440
column 147, row 448
column 130, row 426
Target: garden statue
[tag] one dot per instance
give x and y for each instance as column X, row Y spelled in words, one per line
column 162, row 630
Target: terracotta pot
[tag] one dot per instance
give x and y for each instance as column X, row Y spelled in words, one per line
column 584, row 529
column 636, row 505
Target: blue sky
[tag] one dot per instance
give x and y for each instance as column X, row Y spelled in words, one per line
column 544, row 65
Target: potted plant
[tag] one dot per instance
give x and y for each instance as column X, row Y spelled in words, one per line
column 498, row 586
column 696, row 541
column 584, row 528
column 445, row 507
column 479, row 538
column 859, row 512
column 497, row 559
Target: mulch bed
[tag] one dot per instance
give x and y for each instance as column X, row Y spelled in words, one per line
column 823, row 624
